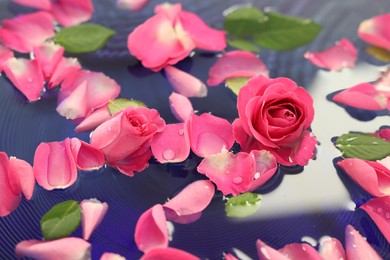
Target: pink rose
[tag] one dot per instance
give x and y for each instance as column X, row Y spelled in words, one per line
column 275, row 114
column 125, row 138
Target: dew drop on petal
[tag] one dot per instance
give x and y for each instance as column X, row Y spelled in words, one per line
column 379, row 210
column 181, row 132
column 30, row 80
column 168, row 154
column 265, row 252
column 237, row 180
column 257, row 175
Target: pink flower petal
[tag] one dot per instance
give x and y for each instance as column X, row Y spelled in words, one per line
column 376, row 31
column 230, row 257
column 298, row 251
column 185, row 84
column 234, row 64
column 193, row 199
column 168, row 253
column 93, row 212
column 332, row 249
column 69, row 248
column 132, row 5
column 209, row 134
column 93, row 120
column 65, row 67
column 23, row 171
column 9, row 200
column 266, row 252
column 75, row 105
column 133, row 163
column 54, row 165
column 379, row 211
column 5, row 55
column 86, row 156
column 48, row 56
column 26, row 76
column 265, row 168
column 357, row 247
column 111, row 256
column 166, row 151
column 342, row 55
column 151, row 229
column 39, row 4
column 170, row 11
column 181, row 107
column 304, row 150
column 25, row 32
column 384, row 134
column 72, row 12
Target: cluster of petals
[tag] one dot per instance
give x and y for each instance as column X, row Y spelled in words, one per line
column 65, row 12
column 56, row 163
column 170, row 35
column 16, row 177
column 342, row 55
column 376, row 31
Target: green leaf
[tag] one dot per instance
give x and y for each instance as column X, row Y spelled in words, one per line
column 243, row 44
column 235, row 84
column 83, row 38
column 281, row 32
column 120, row 104
column 243, row 205
column 244, row 21
column 379, row 53
column 363, row 146
column 61, row 220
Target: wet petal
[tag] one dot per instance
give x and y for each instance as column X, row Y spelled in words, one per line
column 168, row 254
column 133, row 163
column 181, row 107
column 234, row 64
column 39, row 4
column 357, row 247
column 265, row 168
column 23, row 171
column 93, row 120
column 69, row 248
column 75, row 104
column 132, row 5
column 9, row 200
column 65, row 67
column 341, row 55
column 265, row 252
column 87, row 157
column 151, row 230
column 376, row 31
column 185, row 84
column 72, row 12
column 5, row 55
column 26, row 76
column 93, row 212
column 111, row 256
column 48, row 56
column 332, row 249
column 303, row 151
column 297, row 251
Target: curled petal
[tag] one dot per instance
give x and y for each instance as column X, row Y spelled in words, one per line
column 266, row 252
column 111, row 256
column 181, row 107
column 9, row 200
column 48, row 56
column 5, row 55
column 133, row 163
column 168, row 254
column 26, row 76
column 40, row 4
column 343, row 54
column 72, row 12
column 265, row 168
column 185, row 84
column 298, row 251
column 151, row 230
column 332, row 249
column 376, row 31
column 69, row 248
column 86, row 156
column 93, row 120
column 93, row 212
column 132, row 5
column 357, row 247
column 234, row 64
column 23, row 171
column 65, row 67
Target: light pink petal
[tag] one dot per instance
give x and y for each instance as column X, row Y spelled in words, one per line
column 265, row 168
column 168, row 253
column 48, row 56
column 9, row 200
column 193, row 199
column 298, row 251
column 93, row 120
column 204, row 37
column 357, row 247
column 184, row 83
column 69, row 248
column 376, row 31
column 93, row 212
column 230, row 257
column 209, row 134
column 171, row 11
column 181, row 107
column 234, row 64
column 265, row 252
column 151, row 229
column 72, row 12
column 342, row 55
column 75, row 105
column 132, row 5
column 5, row 55
column 332, row 249
column 54, row 165
column 25, row 32
column 379, row 211
column 186, row 219
column 86, row 156
column 26, row 76
column 134, row 163
column 111, row 256
column 39, row 4
column 65, row 67
column 23, row 171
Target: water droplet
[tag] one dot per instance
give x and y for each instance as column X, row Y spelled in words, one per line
column 227, row 172
column 265, row 252
column 237, row 180
column 354, row 246
column 181, row 132
column 257, row 175
column 109, row 129
column 168, row 154
column 379, row 210
column 30, row 80
column 303, row 248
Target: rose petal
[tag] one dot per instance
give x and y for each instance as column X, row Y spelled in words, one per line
column 342, row 55
column 5, row 55
column 48, row 56
column 86, row 156
column 299, row 251
column 181, row 107
column 168, row 254
column 133, row 163
column 69, row 248
column 185, row 84
column 186, row 219
column 9, row 201
column 357, row 247
column 332, row 249
column 376, row 31
column 230, row 257
column 111, row 256
column 151, row 229
column 384, row 133
column 39, row 4
column 379, row 211
column 234, row 64
column 132, row 5
column 65, row 67
column 26, row 76
column 27, row 31
column 23, row 171
column 93, row 120
column 209, row 134
column 265, row 168
column 93, row 212
column 265, row 252
column 72, row 12
column 74, row 105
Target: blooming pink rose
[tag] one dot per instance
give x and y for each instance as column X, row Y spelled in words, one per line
column 275, row 114
column 127, row 136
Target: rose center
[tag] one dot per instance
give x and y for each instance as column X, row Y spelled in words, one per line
column 139, row 123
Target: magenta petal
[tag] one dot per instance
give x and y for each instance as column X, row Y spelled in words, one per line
column 39, row 4
column 304, row 150
column 23, row 171
column 69, row 248
column 132, row 5
column 133, row 163
column 343, row 54
column 93, row 120
column 236, row 64
column 376, row 31
column 332, row 249
column 379, row 211
column 5, row 55
column 265, row 168
column 209, row 134
column 357, row 247
column 298, row 251
column 168, row 253
column 93, row 212
column 9, row 200
column 185, row 84
column 111, row 256
column 48, row 56
column 151, row 229
column 26, row 76
column 65, row 67
column 86, row 156
column 72, row 12
column 265, row 252
column 181, row 107
column 230, row 257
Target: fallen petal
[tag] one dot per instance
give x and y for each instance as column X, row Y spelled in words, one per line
column 185, row 84
column 376, row 31
column 39, row 4
column 332, row 249
column 93, row 212
column 357, row 247
column 230, row 257
column 75, row 104
column 23, row 171
column 48, row 56
column 111, row 256
column 9, row 200
column 297, row 251
column 86, row 156
column 72, row 12
column 5, row 55
column 134, row 163
column 95, row 119
column 265, row 168
column 168, row 253
column 181, row 107
column 132, row 5
column 265, row 252
column 65, row 67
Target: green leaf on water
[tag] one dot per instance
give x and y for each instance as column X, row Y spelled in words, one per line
column 235, row 84
column 243, row 44
column 243, row 205
column 120, row 104
column 244, row 21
